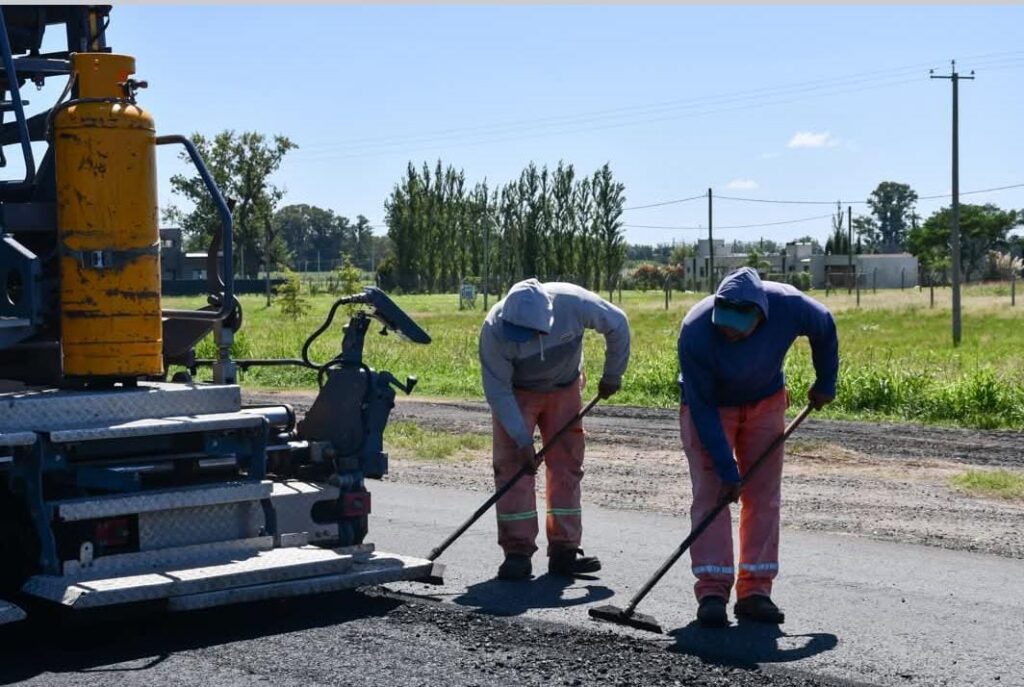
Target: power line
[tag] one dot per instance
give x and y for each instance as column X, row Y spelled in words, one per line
column 313, row 154
column 791, row 202
column 734, row 226
column 778, row 201
column 971, row 193
column 1007, row 57
column 665, row 202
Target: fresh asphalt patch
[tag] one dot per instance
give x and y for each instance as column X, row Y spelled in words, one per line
column 376, row 637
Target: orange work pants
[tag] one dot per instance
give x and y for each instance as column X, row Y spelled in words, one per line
column 517, row 509
column 749, row 429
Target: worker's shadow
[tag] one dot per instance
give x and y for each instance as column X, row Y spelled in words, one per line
column 506, row 597
column 748, row 644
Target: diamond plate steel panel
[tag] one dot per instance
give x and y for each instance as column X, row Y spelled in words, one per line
column 9, row 613
column 188, row 526
column 164, row 499
column 18, row 439
column 47, row 410
column 380, row 568
column 262, row 568
column 162, row 559
column 168, row 425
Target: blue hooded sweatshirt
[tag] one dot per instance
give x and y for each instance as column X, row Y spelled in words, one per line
column 715, row 372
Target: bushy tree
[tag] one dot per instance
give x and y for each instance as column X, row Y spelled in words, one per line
column 983, row 228
column 241, row 165
column 892, row 205
column 648, row 276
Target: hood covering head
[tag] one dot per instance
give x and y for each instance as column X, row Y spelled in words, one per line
column 739, row 299
column 527, row 311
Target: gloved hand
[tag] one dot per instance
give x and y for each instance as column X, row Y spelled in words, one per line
column 730, row 490
column 527, row 458
column 817, row 399
column 607, row 387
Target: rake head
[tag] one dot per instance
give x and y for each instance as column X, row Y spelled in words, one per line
column 614, row 614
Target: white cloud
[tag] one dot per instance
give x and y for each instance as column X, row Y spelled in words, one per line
column 811, row 139
column 742, row 185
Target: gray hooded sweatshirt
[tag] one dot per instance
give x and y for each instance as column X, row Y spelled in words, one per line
column 550, row 361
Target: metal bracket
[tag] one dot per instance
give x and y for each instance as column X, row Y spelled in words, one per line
column 109, row 259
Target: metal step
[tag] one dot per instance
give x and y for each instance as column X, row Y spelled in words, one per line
column 53, row 410
column 263, row 574
column 9, row 613
column 378, row 568
column 163, row 426
column 161, row 500
column 17, row 438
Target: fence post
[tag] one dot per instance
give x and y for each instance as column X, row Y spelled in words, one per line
column 902, row 272
column 666, row 296
column 874, row 280
column 931, row 289
column 856, row 282
column 1013, row 288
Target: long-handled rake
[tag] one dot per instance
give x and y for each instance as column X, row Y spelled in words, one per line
column 508, row 485
column 628, row 615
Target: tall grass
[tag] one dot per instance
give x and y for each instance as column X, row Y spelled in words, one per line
column 1000, row 483
column 897, row 361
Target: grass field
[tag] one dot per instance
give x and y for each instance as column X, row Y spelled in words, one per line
column 897, row 358
column 1000, row 483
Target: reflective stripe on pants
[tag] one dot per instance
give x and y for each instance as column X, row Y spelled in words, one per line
column 749, row 430
column 517, row 509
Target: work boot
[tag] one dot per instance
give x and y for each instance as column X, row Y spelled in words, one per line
column 711, row 612
column 516, row 567
column 572, row 562
column 759, row 608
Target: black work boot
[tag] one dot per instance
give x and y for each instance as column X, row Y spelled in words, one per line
column 517, row 566
column 759, row 608
column 711, row 612
column 572, row 562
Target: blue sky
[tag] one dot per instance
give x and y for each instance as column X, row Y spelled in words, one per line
column 771, row 102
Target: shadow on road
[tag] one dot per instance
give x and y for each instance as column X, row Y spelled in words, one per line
column 507, row 598
column 56, row 642
column 748, row 644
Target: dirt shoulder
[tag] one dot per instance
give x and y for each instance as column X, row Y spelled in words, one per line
column 883, row 481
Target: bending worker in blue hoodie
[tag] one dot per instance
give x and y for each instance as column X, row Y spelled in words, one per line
column 731, row 349
column 531, row 359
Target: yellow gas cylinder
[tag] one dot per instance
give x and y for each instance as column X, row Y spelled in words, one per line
column 108, row 235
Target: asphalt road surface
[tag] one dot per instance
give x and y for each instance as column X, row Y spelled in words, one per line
column 876, row 612
column 858, row 612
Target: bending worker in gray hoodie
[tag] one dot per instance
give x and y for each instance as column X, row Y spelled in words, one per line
column 531, row 359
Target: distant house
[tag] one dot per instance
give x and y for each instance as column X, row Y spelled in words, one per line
column 171, row 255
column 883, row 271
column 175, row 263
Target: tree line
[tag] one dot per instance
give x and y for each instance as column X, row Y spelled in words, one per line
column 549, row 224
column 552, row 224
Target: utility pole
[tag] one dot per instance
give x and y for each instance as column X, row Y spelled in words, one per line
column 849, row 248
column 711, row 249
column 955, row 210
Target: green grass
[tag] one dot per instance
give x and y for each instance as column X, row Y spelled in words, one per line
column 897, row 359
column 1001, row 483
column 408, row 439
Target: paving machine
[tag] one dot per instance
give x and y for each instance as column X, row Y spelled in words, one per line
column 118, row 486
